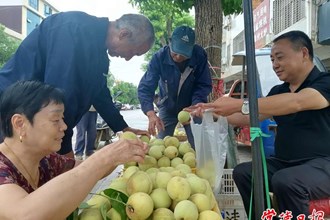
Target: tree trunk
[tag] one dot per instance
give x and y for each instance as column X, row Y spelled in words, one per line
column 208, row 16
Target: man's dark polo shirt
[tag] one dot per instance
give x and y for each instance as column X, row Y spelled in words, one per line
column 304, row 134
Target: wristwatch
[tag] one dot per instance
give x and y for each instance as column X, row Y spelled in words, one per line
column 245, row 107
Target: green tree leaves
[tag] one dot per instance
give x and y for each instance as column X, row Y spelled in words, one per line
column 8, row 46
column 129, row 90
column 165, row 15
column 232, row 6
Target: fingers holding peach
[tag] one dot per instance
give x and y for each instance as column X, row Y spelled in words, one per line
column 124, row 150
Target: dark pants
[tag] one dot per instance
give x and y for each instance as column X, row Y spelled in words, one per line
column 293, row 183
column 86, row 134
column 170, row 121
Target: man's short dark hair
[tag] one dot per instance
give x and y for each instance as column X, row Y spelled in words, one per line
column 299, row 40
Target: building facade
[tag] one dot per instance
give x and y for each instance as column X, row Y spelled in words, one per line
column 20, row 17
column 271, row 19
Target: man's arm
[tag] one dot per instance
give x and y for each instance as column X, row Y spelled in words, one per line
column 238, row 119
column 281, row 104
column 148, row 85
column 146, row 92
column 108, row 111
column 105, row 107
column 287, row 103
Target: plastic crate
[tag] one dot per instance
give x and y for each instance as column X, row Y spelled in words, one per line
column 233, row 201
column 229, row 200
column 228, row 185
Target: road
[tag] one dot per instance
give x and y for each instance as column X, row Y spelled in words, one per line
column 135, row 119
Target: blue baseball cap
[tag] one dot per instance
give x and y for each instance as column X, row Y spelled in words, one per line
column 183, row 41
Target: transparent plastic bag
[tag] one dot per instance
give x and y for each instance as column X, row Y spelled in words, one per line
column 211, row 143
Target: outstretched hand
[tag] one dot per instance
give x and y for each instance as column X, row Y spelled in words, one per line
column 196, row 110
column 223, row 106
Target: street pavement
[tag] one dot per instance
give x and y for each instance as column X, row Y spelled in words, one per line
column 134, row 118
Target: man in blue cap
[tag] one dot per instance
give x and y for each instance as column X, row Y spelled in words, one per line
column 181, row 72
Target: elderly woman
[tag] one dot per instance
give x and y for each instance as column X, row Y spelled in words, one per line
column 35, row 182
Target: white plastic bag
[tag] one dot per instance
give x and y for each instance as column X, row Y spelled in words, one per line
column 211, row 143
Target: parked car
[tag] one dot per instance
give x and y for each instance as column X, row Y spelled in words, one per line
column 118, row 104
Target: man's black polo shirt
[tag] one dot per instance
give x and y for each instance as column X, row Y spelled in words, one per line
column 304, row 134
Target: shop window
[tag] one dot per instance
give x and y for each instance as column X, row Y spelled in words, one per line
column 34, row 4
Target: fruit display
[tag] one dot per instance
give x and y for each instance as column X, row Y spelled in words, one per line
column 167, row 152
column 183, row 116
column 128, row 135
column 178, row 132
column 165, row 186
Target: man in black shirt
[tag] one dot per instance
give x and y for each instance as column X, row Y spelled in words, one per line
column 300, row 170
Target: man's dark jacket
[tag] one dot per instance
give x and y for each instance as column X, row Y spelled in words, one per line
column 163, row 72
column 67, row 50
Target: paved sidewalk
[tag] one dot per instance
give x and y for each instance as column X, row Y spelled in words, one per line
column 105, row 182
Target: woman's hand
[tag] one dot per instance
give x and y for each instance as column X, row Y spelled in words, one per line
column 123, row 151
